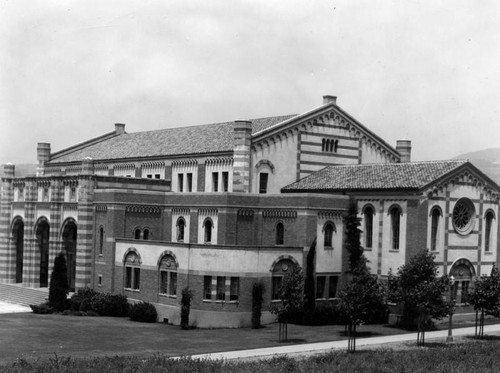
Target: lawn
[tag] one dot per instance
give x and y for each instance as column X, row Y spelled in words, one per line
column 32, row 336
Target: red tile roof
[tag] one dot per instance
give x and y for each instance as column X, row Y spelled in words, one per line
column 208, row 138
column 388, row 176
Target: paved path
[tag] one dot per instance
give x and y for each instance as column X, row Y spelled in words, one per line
column 324, row 347
column 12, row 308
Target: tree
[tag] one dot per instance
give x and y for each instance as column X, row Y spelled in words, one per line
column 309, row 291
column 352, row 242
column 361, row 300
column 485, row 297
column 186, row 297
column 257, row 298
column 291, row 299
column 421, row 291
column 59, row 289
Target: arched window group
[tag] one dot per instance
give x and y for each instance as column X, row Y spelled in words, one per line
column 329, row 145
column 279, row 270
column 144, row 234
column 168, row 275
column 132, row 271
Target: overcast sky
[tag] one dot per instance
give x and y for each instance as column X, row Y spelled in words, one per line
column 427, row 71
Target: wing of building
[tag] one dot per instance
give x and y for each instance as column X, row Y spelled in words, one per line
column 218, row 207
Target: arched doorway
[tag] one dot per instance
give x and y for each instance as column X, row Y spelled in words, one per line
column 42, row 239
column 463, row 273
column 18, row 241
column 69, row 246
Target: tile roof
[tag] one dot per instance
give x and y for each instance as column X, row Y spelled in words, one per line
column 388, row 176
column 201, row 139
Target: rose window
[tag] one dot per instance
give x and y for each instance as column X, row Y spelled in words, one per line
column 463, row 216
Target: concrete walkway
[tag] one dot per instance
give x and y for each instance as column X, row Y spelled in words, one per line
column 302, row 350
column 12, row 308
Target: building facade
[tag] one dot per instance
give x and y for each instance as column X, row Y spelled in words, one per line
column 218, row 207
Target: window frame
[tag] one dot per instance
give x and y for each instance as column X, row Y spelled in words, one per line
column 280, row 234
column 395, row 224
column 368, row 215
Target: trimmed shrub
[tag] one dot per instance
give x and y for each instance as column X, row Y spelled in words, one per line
column 257, row 298
column 106, row 304
column 187, row 295
column 42, row 308
column 58, row 290
column 143, row 312
column 80, row 301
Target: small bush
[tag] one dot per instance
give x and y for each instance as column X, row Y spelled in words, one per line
column 143, row 312
column 257, row 298
column 106, row 304
column 42, row 308
column 80, row 301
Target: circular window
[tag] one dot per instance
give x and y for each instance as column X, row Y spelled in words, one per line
column 463, row 216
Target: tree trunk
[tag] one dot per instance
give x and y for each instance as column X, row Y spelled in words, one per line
column 283, row 331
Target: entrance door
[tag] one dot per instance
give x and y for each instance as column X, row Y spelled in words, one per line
column 42, row 236
column 69, row 242
column 18, row 239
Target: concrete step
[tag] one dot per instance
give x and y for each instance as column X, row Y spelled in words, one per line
column 17, row 294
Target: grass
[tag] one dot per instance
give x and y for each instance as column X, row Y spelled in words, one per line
column 472, row 356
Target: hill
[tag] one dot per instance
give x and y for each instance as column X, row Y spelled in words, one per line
column 487, row 160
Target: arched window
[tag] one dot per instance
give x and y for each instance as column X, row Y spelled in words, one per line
column 181, row 224
column 323, row 145
column 368, row 220
column 487, row 230
column 208, row 231
column 328, row 234
column 137, row 234
column 145, row 234
column 168, row 276
column 132, row 271
column 279, row 270
column 280, row 234
column 395, row 214
column 436, row 214
column 101, row 239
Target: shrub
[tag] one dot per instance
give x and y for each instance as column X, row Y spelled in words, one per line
column 106, row 304
column 58, row 290
column 80, row 301
column 42, row 308
column 143, row 312
column 187, row 295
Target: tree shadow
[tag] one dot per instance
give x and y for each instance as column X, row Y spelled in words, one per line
column 361, row 334
column 484, row 338
column 294, row 340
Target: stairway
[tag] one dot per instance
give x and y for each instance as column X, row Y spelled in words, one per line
column 17, row 294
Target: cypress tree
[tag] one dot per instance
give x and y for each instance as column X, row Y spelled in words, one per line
column 59, row 289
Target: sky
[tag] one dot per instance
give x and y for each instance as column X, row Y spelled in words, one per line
column 426, row 71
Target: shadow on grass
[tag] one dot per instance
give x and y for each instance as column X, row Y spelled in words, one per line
column 484, row 338
column 294, row 340
column 362, row 334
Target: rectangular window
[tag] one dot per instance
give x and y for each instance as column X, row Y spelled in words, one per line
column 128, row 277
column 99, row 280
column 149, row 176
column 189, row 179
column 45, row 195
column 163, row 282
column 320, row 286
column 225, row 181
column 172, row 286
column 157, row 176
column 20, row 194
column 137, row 279
column 263, row 176
column 221, row 288
column 332, row 286
column 276, row 287
column 207, row 287
column 180, row 182
column 72, row 194
column 235, row 289
column 215, row 181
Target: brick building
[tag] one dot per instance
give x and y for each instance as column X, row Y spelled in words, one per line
column 217, row 207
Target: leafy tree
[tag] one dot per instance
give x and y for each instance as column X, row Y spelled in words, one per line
column 485, row 297
column 59, row 289
column 309, row 291
column 258, row 290
column 352, row 242
column 186, row 297
column 291, row 299
column 421, row 291
column 361, row 300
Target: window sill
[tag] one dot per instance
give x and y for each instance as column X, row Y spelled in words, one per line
column 488, row 253
column 167, row 295
column 328, row 247
column 368, row 249
column 132, row 290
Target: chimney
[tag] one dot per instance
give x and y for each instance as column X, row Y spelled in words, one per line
column 404, row 149
column 9, row 170
column 87, row 166
column 328, row 99
column 119, row 128
column 241, row 157
column 42, row 157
